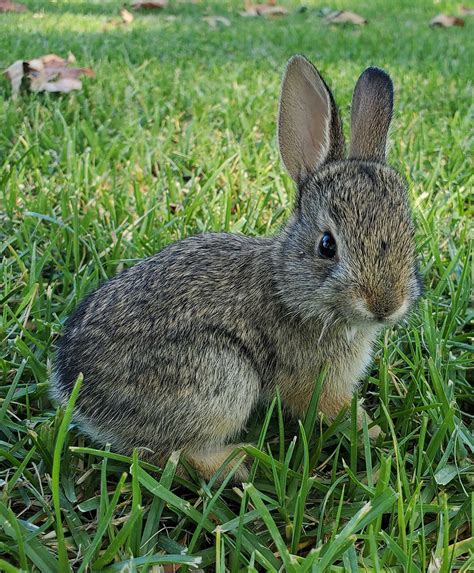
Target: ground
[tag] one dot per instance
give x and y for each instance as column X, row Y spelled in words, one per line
column 176, row 135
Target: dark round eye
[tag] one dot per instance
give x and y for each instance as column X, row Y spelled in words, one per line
column 327, row 246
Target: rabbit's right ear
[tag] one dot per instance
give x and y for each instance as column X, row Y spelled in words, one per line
column 372, row 107
column 309, row 126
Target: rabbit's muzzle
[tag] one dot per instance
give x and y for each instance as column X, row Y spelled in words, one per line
column 386, row 306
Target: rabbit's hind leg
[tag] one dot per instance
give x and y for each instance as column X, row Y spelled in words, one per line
column 208, row 462
column 230, row 388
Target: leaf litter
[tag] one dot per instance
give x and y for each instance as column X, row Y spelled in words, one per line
column 270, row 9
column 445, row 21
column 345, row 17
column 49, row 73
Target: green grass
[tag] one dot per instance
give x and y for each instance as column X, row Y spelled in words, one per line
column 176, row 135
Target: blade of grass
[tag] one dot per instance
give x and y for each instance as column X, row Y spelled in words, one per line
column 288, row 561
column 55, row 478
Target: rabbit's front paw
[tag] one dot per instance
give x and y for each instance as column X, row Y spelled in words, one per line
column 209, row 461
column 375, row 432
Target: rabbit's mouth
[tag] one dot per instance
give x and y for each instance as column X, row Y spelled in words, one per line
column 382, row 313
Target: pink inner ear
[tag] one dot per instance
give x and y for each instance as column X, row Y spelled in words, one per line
column 316, row 142
column 304, row 119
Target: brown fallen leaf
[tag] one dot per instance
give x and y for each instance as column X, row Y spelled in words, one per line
column 149, row 4
column 15, row 74
column 445, row 21
column 465, row 11
column 7, row 6
column 216, row 21
column 127, row 17
column 264, row 10
column 64, row 85
column 49, row 73
column 270, row 9
column 345, row 17
column 54, row 61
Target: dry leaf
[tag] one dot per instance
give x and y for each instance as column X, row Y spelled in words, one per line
column 465, row 11
column 15, row 74
column 269, row 9
column 170, row 568
column 64, row 85
column 150, row 4
column 127, row 17
column 273, row 11
column 345, row 17
column 54, row 61
column 216, row 21
column 49, row 73
column 445, row 21
column 7, row 6
column 264, row 10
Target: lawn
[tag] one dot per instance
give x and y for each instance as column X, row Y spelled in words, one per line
column 175, row 136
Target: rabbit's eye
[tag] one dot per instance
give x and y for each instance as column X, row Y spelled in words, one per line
column 327, row 246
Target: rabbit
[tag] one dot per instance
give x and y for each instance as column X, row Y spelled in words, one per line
column 178, row 350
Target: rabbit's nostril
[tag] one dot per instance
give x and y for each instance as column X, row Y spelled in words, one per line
column 381, row 309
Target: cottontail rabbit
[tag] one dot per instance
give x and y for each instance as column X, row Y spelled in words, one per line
column 177, row 351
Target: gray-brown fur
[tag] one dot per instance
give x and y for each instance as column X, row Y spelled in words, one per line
column 178, row 350
column 372, row 104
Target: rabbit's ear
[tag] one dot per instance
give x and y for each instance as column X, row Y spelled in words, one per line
column 309, row 126
column 372, row 106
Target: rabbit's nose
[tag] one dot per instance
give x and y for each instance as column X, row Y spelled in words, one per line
column 386, row 307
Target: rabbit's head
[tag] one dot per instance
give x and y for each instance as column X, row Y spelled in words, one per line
column 348, row 253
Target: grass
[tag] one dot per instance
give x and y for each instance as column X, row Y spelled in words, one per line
column 175, row 136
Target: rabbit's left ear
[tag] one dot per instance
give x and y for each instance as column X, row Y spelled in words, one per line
column 309, row 126
column 372, row 106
